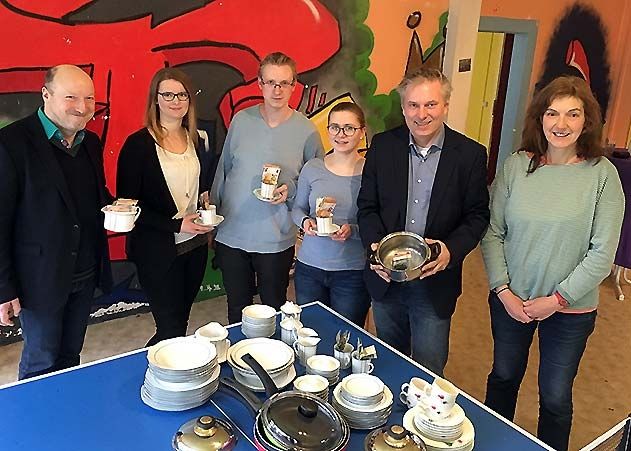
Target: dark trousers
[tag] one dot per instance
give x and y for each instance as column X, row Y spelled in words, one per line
column 171, row 295
column 343, row 291
column 406, row 319
column 53, row 339
column 245, row 272
column 562, row 341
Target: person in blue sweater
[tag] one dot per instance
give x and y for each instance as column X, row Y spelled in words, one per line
column 330, row 266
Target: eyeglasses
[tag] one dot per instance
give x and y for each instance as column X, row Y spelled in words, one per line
column 347, row 129
column 283, row 84
column 170, row 96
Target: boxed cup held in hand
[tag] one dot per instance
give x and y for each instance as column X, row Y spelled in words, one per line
column 269, row 180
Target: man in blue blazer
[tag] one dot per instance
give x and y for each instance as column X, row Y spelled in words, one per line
column 428, row 179
column 53, row 248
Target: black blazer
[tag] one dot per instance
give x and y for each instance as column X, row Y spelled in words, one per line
column 39, row 232
column 139, row 176
column 458, row 212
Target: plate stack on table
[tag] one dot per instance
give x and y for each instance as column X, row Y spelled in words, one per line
column 363, row 400
column 313, row 384
column 183, row 373
column 258, row 320
column 455, row 432
column 325, row 366
column 274, row 356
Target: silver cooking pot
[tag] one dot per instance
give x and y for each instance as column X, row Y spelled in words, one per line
column 403, row 254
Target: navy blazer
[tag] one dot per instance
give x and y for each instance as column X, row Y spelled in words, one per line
column 139, row 176
column 39, row 231
column 458, row 212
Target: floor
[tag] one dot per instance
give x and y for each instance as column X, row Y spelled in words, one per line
column 602, row 392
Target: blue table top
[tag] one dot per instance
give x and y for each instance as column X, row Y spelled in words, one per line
column 98, row 407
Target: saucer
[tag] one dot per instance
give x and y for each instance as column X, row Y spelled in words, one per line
column 335, row 229
column 218, row 220
column 257, row 193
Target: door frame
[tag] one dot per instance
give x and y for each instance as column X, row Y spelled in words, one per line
column 518, row 90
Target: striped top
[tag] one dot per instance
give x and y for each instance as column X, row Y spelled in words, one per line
column 556, row 229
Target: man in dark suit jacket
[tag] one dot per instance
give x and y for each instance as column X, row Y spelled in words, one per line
column 431, row 180
column 53, row 248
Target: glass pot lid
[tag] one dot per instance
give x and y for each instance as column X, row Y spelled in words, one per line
column 205, row 433
column 304, row 421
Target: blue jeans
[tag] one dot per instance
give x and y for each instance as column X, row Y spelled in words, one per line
column 562, row 341
column 343, row 291
column 406, row 319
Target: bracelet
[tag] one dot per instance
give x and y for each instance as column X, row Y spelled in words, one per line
column 503, row 289
column 561, row 300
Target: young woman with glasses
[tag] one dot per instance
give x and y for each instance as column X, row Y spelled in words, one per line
column 165, row 167
column 330, row 268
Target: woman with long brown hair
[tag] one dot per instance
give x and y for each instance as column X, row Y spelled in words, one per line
column 162, row 166
column 556, row 213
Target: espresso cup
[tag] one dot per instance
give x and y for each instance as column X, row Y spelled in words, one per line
column 218, row 336
column 267, row 190
column 208, row 216
column 325, row 225
column 306, row 347
column 289, row 330
column 361, row 366
column 414, row 391
column 344, row 356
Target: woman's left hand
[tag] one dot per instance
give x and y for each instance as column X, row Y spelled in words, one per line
column 542, row 308
column 342, row 234
column 283, row 191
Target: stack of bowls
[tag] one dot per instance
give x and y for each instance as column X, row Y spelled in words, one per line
column 455, row 432
column 258, row 320
column 325, row 366
column 363, row 400
column 276, row 358
column 313, row 384
column 183, row 373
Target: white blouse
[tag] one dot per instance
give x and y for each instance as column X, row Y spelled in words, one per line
column 181, row 172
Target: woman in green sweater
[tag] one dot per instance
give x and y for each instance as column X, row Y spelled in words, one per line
column 556, row 212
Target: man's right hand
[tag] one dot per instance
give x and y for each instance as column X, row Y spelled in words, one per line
column 514, row 306
column 381, row 272
column 9, row 310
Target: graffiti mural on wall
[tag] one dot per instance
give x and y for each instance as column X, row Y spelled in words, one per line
column 579, row 47
column 121, row 45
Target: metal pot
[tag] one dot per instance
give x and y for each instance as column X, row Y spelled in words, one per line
column 391, row 438
column 403, row 254
column 291, row 420
column 205, row 433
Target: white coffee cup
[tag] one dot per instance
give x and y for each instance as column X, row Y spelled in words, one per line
column 120, row 221
column 414, row 391
column 217, row 335
column 325, row 225
column 361, row 366
column 306, row 347
column 208, row 216
column 344, row 356
column 441, row 399
column 267, row 190
column 289, row 330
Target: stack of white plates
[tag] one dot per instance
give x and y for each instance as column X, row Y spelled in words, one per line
column 363, row 400
column 325, row 366
column 258, row 321
column 452, row 433
column 273, row 355
column 183, row 373
column 314, row 384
